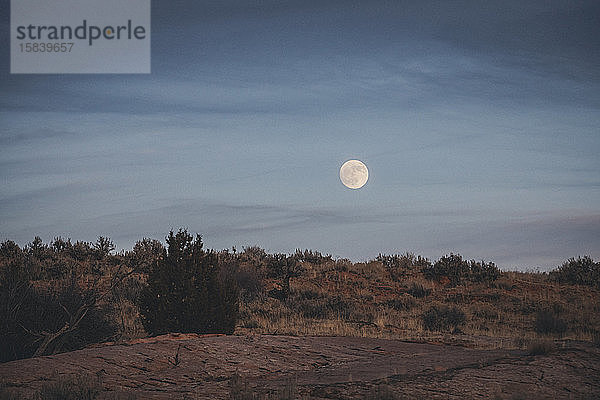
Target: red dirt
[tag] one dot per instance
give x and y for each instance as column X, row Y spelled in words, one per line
column 322, row 367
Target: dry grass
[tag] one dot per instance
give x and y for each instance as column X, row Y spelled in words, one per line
column 339, row 298
column 383, row 298
column 68, row 387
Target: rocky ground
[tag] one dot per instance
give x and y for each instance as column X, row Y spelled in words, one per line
column 200, row 367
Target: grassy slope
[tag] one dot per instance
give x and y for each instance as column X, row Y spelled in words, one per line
column 367, row 300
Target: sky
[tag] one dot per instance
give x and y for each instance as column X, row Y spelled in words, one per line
column 479, row 123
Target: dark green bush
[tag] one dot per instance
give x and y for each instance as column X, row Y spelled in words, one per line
column 443, row 318
column 458, row 271
column 188, row 292
column 580, row 271
column 145, row 255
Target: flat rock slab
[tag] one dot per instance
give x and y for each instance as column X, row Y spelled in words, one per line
column 200, row 367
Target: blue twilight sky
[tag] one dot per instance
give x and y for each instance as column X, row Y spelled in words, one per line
column 479, row 123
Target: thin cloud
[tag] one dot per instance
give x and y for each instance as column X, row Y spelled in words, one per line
column 14, row 137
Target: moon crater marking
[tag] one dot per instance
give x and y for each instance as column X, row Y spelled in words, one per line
column 354, row 174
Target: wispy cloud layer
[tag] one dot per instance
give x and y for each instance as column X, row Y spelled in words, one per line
column 478, row 121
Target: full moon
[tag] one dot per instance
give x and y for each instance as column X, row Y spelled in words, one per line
column 354, row 174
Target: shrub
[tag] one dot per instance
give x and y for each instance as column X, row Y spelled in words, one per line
column 486, row 312
column 452, row 267
column 289, row 391
column 342, row 265
column 6, row 393
column 457, row 270
column 480, row 271
column 49, row 311
column 313, row 309
column 340, row 308
column 402, row 303
column 187, row 292
column 103, row 247
column 95, row 326
column 402, row 261
column 45, row 319
column 239, row 389
column 541, row 347
column 71, row 388
column 15, row 291
column 330, row 307
column 283, row 267
column 443, row 318
column 312, row 257
column 504, row 285
column 247, row 276
column 251, row 324
column 547, row 321
column 398, row 265
column 309, row 294
column 418, row 290
column 254, row 256
column 249, row 282
column 381, row 392
column 580, row 271
column 145, row 255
